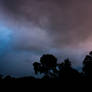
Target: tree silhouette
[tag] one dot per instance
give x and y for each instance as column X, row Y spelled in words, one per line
column 60, row 71
column 47, row 65
column 67, row 72
column 37, row 67
column 87, row 65
column 66, row 64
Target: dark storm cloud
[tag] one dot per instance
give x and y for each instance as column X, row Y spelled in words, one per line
column 55, row 23
column 67, row 21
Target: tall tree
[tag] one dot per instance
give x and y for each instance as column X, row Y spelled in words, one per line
column 47, row 65
column 87, row 65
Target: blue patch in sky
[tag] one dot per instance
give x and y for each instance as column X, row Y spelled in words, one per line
column 5, row 39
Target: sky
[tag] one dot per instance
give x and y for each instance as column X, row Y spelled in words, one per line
column 31, row 28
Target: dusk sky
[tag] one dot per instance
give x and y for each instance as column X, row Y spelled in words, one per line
column 31, row 28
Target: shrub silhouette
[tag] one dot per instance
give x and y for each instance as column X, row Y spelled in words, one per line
column 8, row 77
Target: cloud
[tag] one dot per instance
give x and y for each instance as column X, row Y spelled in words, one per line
column 67, row 22
column 54, row 23
column 32, row 38
column 48, row 26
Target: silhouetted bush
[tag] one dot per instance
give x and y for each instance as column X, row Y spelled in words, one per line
column 8, row 77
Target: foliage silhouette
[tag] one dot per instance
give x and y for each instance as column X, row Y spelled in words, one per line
column 67, row 72
column 87, row 66
column 37, row 67
column 53, row 70
column 47, row 65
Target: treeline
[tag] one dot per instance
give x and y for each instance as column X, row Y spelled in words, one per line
column 52, row 70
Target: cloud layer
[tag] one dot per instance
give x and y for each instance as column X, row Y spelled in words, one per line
column 48, row 26
column 63, row 19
